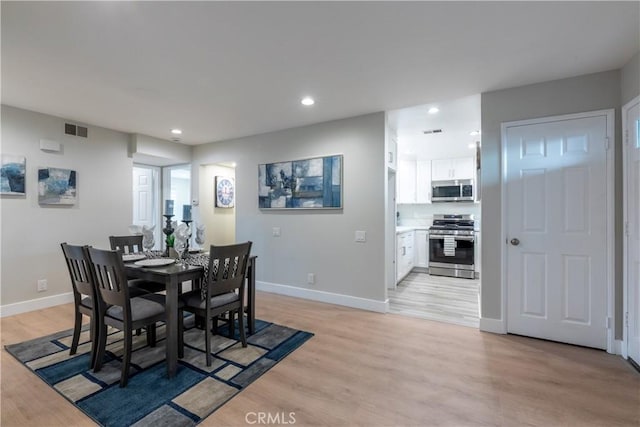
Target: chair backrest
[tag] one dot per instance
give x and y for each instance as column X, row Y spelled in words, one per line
column 79, row 271
column 228, row 267
column 128, row 244
column 110, row 277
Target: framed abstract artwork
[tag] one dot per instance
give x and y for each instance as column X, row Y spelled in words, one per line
column 225, row 192
column 57, row 186
column 12, row 174
column 314, row 183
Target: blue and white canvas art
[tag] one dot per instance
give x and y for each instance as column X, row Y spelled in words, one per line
column 12, row 174
column 301, row 184
column 56, row 186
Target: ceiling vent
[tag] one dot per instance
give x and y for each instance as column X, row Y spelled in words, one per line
column 75, row 130
column 430, row 131
column 175, row 139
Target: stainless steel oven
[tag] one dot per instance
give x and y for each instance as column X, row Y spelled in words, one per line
column 452, row 246
column 452, row 191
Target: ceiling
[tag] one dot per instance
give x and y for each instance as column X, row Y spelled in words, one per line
column 222, row 70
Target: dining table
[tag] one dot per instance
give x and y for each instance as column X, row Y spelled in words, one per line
column 173, row 276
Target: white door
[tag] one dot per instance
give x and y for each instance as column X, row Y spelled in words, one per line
column 464, row 168
column 145, row 200
column 632, row 228
column 558, row 225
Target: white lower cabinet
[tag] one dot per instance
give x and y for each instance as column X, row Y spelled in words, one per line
column 404, row 253
column 422, row 248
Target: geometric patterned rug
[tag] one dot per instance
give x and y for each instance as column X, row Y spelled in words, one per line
column 150, row 398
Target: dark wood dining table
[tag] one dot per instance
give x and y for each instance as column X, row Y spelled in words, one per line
column 173, row 276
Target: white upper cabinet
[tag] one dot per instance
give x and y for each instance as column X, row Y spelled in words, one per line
column 423, row 186
column 448, row 169
column 392, row 154
column 406, row 179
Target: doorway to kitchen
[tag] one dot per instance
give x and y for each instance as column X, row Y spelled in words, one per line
column 438, row 202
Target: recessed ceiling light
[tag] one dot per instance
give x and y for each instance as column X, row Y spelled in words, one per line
column 433, row 110
column 473, row 145
column 307, row 101
column 474, row 133
column 176, row 131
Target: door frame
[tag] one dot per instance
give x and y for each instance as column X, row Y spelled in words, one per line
column 625, row 220
column 157, row 196
column 610, row 174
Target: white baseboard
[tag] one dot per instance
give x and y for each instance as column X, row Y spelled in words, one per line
column 35, row 304
column 328, row 297
column 495, row 326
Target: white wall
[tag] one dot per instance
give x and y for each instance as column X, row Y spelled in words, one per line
column 220, row 223
column 314, row 241
column 630, row 79
column 422, row 214
column 31, row 234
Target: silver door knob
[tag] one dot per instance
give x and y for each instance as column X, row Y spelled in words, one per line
column 515, row 242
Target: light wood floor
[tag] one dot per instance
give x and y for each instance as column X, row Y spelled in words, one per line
column 446, row 299
column 372, row 369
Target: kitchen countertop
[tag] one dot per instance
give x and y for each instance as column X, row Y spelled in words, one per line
column 403, row 229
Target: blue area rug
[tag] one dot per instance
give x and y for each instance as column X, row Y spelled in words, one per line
column 151, row 398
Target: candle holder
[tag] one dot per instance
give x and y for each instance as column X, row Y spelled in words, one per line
column 186, row 249
column 168, row 231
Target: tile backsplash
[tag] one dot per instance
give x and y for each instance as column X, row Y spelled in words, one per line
column 415, row 215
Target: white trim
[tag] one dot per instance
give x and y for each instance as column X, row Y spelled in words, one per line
column 617, row 347
column 322, row 296
column 35, row 304
column 610, row 174
column 496, row 326
column 624, row 346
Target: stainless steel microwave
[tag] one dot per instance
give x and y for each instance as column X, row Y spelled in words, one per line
column 460, row 190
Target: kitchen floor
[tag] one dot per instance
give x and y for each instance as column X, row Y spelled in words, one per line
column 445, row 299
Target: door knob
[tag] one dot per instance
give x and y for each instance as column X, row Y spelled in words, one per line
column 515, row 242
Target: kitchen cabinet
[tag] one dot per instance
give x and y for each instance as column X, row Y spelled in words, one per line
column 422, row 248
column 423, row 178
column 406, row 178
column 448, row 169
column 392, row 154
column 414, row 181
column 404, row 254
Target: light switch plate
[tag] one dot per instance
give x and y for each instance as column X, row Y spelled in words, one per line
column 361, row 236
column 276, row 231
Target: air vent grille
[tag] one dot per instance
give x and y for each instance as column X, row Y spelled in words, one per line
column 76, row 130
column 430, row 131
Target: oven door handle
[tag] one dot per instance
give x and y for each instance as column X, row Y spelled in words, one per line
column 441, row 237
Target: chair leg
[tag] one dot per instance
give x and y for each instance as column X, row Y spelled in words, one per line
column 232, row 324
column 76, row 333
column 151, row 335
column 214, row 329
column 102, row 343
column 93, row 335
column 126, row 358
column 243, row 335
column 207, row 340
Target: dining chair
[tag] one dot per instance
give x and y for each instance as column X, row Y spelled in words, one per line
column 130, row 245
column 84, row 296
column 224, row 291
column 118, row 309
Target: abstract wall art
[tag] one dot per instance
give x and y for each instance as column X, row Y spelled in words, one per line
column 12, row 174
column 56, row 186
column 314, row 183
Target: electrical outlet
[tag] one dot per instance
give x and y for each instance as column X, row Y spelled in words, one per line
column 42, row 285
column 311, row 278
column 276, row 231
